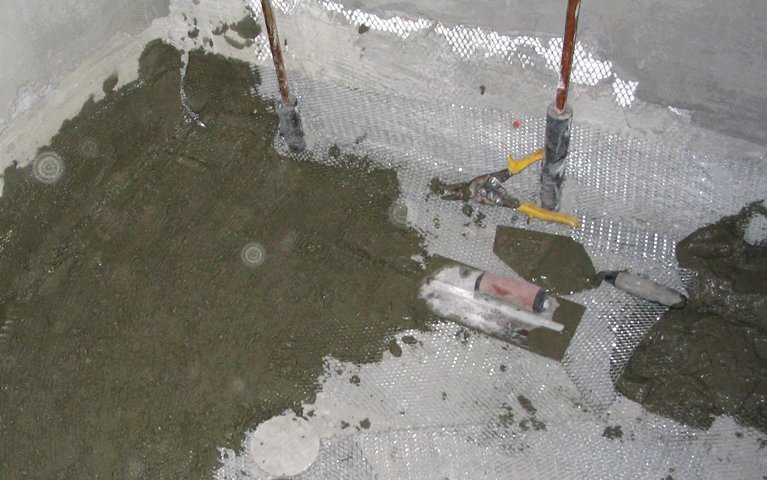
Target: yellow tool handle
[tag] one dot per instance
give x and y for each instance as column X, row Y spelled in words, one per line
column 516, row 166
column 535, row 211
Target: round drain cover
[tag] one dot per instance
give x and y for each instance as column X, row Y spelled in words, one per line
column 284, row 446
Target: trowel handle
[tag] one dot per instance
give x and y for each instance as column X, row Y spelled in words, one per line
column 645, row 288
column 513, row 291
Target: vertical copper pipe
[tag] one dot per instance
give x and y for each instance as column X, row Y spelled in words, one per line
column 568, row 45
column 274, row 43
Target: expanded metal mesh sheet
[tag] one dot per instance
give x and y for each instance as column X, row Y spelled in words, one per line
column 635, row 200
column 451, row 406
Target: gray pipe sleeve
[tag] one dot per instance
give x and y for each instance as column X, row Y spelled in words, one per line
column 291, row 129
column 555, row 155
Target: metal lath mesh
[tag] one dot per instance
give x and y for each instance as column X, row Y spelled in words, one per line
column 633, row 209
column 451, row 406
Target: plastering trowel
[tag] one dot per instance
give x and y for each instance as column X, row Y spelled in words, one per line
column 561, row 265
column 509, row 309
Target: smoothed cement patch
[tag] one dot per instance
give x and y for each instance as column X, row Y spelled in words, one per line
column 139, row 342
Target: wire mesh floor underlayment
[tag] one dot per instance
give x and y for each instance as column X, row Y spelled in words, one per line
column 449, row 407
column 467, row 406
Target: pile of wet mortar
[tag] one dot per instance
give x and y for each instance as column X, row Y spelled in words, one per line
column 710, row 358
column 137, row 340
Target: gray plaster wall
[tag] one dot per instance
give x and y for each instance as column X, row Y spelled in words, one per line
column 705, row 56
column 41, row 40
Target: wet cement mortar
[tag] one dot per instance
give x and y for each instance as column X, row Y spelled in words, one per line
column 710, row 358
column 136, row 341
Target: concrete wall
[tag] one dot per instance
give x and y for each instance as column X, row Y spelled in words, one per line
column 44, row 39
column 705, row 56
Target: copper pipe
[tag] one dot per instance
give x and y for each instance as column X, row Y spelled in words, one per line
column 274, row 43
column 568, row 45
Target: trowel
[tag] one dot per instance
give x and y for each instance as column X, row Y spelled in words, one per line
column 562, row 266
column 510, row 309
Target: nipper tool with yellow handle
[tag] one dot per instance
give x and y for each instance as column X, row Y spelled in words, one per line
column 488, row 189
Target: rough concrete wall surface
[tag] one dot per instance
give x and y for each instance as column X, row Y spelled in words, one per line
column 698, row 55
column 703, row 56
column 43, row 40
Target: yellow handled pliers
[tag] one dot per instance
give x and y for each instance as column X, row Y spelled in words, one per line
column 488, row 189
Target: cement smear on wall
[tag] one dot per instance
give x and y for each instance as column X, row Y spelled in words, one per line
column 710, row 358
column 137, row 338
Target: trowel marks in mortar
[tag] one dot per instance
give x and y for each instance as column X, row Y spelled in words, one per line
column 141, row 340
column 710, row 358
